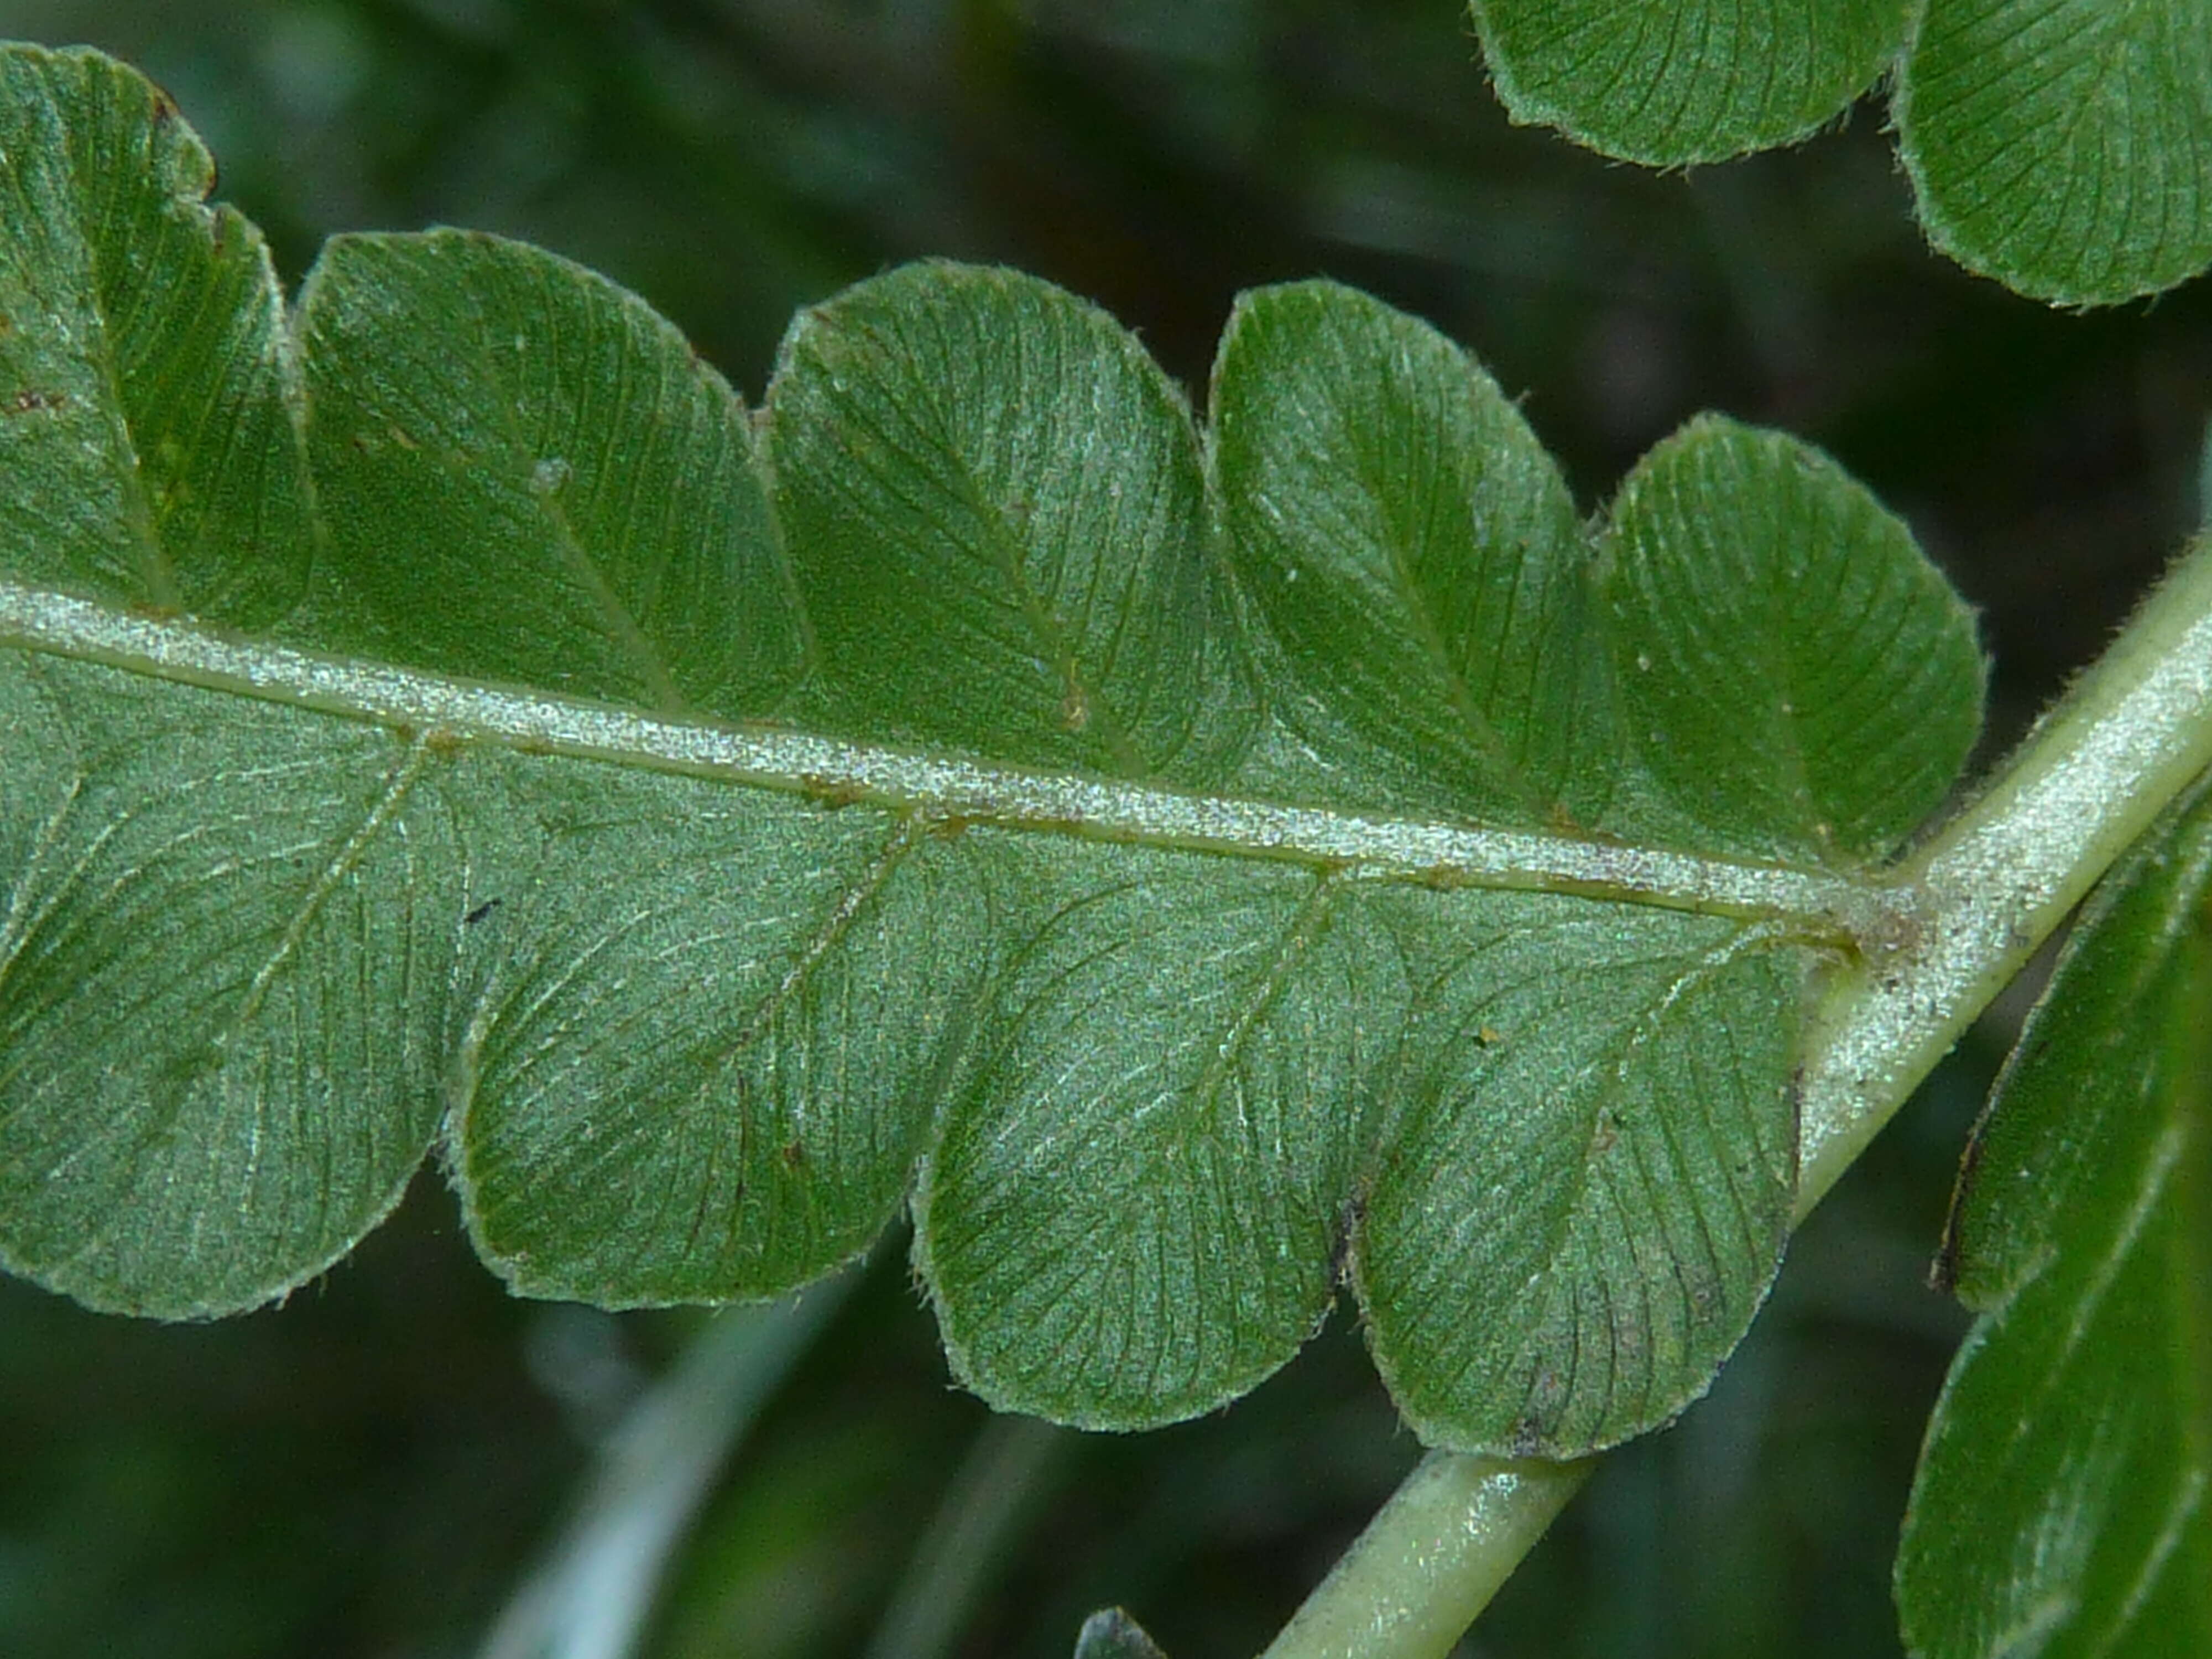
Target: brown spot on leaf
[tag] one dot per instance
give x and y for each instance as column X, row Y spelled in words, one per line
column 836, row 793
column 31, row 402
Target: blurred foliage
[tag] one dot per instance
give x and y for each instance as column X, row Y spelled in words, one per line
column 366, row 1471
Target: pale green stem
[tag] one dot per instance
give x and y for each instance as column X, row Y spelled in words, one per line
column 589, row 1596
column 1451, row 1533
column 1997, row 880
column 1978, row 899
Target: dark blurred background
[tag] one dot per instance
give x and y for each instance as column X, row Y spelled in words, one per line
column 370, row 1470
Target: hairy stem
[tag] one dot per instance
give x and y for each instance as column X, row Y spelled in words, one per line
column 1980, row 896
column 1995, row 882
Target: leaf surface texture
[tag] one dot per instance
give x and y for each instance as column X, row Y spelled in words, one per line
column 2065, row 147
column 1203, row 868
column 1670, row 82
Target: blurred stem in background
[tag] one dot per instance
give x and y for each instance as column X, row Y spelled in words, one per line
column 2204, row 479
column 590, row 1597
column 976, row 1527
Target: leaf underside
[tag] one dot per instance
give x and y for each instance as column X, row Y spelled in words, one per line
column 2062, row 147
column 2061, row 1505
column 1199, row 868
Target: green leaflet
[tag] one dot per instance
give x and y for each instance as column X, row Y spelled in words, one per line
column 224, row 987
column 708, row 1078
column 2060, row 1506
column 572, row 485
column 1671, row 82
column 1203, row 871
column 1025, row 575
column 1417, row 557
column 155, row 399
column 1131, row 1213
column 2062, row 147
column 1728, row 663
column 1757, row 710
column 1593, row 1154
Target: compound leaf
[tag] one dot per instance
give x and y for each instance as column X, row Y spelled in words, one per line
column 962, row 779
column 2060, row 1505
